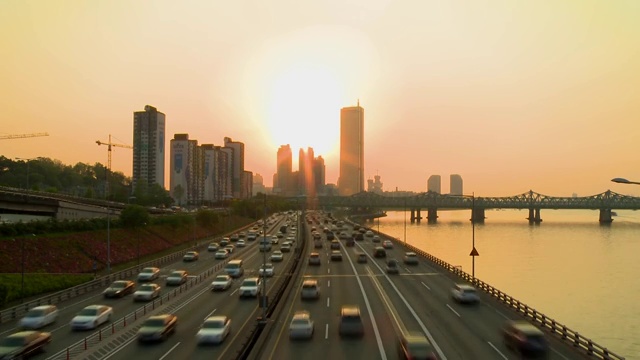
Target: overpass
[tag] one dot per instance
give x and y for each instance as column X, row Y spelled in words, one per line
column 431, row 202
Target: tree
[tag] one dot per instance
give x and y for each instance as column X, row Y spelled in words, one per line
column 206, row 218
column 133, row 216
column 178, row 193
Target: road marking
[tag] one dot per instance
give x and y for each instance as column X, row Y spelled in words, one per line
column 121, row 347
column 425, row 285
column 211, row 313
column 328, row 302
column 455, row 312
column 328, row 283
column 328, row 271
column 387, row 302
column 407, row 270
column 170, row 350
column 234, row 291
column 556, row 351
column 498, row 351
column 326, row 331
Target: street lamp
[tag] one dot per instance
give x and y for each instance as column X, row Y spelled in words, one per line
column 27, row 161
column 474, row 252
column 624, row 181
column 263, row 298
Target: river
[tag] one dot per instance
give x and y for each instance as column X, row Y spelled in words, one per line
column 571, row 268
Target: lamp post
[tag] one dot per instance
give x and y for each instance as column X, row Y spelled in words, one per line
column 27, row 161
column 22, row 271
column 263, row 298
column 405, row 220
column 108, row 240
column 624, row 181
column 474, row 252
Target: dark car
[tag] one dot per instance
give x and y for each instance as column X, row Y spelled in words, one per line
column 362, row 258
column 350, row 242
column 119, row 288
column 336, row 255
column 350, row 321
column 23, row 344
column 335, row 244
column 379, row 252
column 330, row 235
column 415, row 346
column 359, row 236
column 157, row 327
column 392, row 266
column 525, row 339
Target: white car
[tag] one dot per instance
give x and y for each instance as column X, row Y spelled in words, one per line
column 149, row 274
column 91, row 317
column 301, row 326
column 250, row 287
column 266, row 270
column 376, row 238
column 39, row 316
column 241, row 243
column 387, row 244
column 369, row 233
column 214, row 330
column 147, row 292
column 463, row 293
column 221, row 283
column 222, row 254
column 213, row 247
column 277, row 256
column 230, row 248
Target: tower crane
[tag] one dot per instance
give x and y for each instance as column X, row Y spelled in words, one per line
column 22, row 136
column 110, row 144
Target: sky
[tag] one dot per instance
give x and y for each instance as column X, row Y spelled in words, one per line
column 511, row 95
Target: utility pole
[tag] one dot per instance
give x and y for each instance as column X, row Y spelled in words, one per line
column 264, row 262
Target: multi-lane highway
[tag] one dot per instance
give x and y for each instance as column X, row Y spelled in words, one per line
column 418, row 299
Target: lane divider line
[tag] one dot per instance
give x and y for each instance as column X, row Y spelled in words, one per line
column 455, row 312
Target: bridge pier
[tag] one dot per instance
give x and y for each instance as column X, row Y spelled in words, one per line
column 432, row 215
column 477, row 216
column 415, row 215
column 534, row 216
column 605, row 216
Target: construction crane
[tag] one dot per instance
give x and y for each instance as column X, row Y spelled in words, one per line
column 22, row 136
column 110, row 144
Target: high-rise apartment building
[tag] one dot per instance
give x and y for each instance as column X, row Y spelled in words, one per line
column 455, row 184
column 284, row 171
column 305, row 172
column 215, row 173
column 434, row 184
column 351, row 180
column 148, row 148
column 184, row 179
column 319, row 175
column 238, row 176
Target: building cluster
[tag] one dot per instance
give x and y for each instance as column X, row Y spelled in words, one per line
column 199, row 174
column 309, row 180
column 434, row 184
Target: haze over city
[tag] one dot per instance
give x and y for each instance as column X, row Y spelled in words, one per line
column 510, row 95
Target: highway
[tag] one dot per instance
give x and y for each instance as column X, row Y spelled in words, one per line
column 192, row 305
column 416, row 300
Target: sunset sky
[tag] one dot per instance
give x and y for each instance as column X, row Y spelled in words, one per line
column 511, row 95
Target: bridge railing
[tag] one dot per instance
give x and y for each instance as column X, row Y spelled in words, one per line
column 568, row 335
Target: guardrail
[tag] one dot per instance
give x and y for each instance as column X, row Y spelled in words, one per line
column 569, row 336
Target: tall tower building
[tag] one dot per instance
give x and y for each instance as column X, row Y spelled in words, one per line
column 148, row 147
column 319, row 175
column 184, row 179
column 434, row 184
column 238, row 178
column 305, row 172
column 455, row 184
column 351, row 180
column 284, row 171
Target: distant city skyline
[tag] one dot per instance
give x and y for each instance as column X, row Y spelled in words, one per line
column 512, row 96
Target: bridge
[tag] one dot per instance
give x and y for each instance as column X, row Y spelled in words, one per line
column 604, row 202
column 415, row 300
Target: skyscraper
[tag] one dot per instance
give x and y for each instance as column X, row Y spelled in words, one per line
column 183, row 179
column 238, row 177
column 351, row 180
column 284, row 170
column 305, row 172
column 455, row 184
column 319, row 175
column 148, row 147
column 434, row 184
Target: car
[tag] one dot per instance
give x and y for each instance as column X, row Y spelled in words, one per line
column 291, row 239
column 415, row 346
column 350, row 321
column 214, row 330
column 157, row 328
column 369, row 233
column 91, row 317
column 336, row 255
column 190, row 256
column 241, row 243
column 213, row 247
column 177, row 277
column 39, row 316
column 147, row 292
column 277, row 256
column 411, row 258
column 230, row 248
column 310, row 289
column 285, row 247
column 221, row 254
column 314, row 259
column 393, row 267
column 350, row 242
column 343, row 236
column 317, row 244
column 387, row 244
column 361, row 258
column 149, row 274
column 24, row 344
column 465, row 294
column 379, row 252
column 234, row 268
column 524, row 338
column 119, row 288
column 335, row 244
column 330, row 235
column 250, row 287
column 242, row 235
column 279, row 236
column 234, row 238
column 225, row 241
column 375, row 239
column 301, row 326
column 266, row 270
column 221, row 283
column 359, row 236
